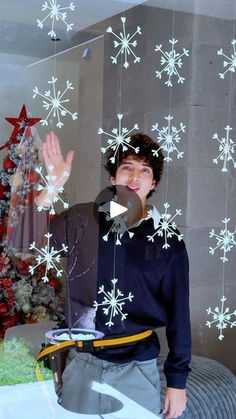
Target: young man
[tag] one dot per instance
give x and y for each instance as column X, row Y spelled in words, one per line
column 150, row 280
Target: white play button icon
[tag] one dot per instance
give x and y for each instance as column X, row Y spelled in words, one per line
column 122, row 208
column 116, row 209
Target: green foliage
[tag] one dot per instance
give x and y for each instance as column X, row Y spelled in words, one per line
column 17, row 365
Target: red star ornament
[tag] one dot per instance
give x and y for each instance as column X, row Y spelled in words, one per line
column 19, row 124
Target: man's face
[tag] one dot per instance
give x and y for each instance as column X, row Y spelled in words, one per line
column 136, row 175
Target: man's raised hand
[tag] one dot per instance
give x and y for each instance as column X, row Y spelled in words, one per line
column 56, row 166
column 52, row 156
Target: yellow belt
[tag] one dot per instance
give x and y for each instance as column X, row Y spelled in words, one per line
column 93, row 345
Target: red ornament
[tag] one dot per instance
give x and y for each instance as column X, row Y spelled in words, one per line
column 8, row 164
column 55, row 283
column 11, row 320
column 20, row 124
column 32, row 176
column 3, row 189
column 3, row 228
column 2, row 192
column 23, row 267
column 6, row 282
column 41, row 269
column 4, row 308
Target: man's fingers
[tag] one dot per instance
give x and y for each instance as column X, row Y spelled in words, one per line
column 51, row 151
column 57, row 145
column 46, row 154
column 175, row 402
column 171, row 415
column 69, row 158
column 56, row 148
column 166, row 405
column 47, row 148
column 52, row 144
column 168, row 410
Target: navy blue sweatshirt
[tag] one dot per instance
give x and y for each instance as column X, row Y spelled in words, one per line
column 152, row 280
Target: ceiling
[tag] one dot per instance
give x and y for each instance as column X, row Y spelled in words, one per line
column 222, row 9
column 21, row 39
column 20, row 35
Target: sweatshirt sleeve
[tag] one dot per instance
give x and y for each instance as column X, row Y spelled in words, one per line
column 178, row 332
column 57, row 227
column 67, row 228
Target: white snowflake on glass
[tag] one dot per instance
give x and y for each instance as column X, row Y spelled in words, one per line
column 172, row 62
column 226, row 148
column 168, row 137
column 50, row 186
column 49, row 256
column 125, row 44
column 118, row 226
column 167, row 226
column 54, row 103
column 230, row 62
column 221, row 317
column 225, row 240
column 119, row 137
column 56, row 13
column 114, row 301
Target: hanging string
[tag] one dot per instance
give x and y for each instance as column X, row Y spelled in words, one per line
column 66, row 221
column 52, row 126
column 118, row 111
column 170, row 103
column 54, row 66
column 227, row 174
column 120, row 74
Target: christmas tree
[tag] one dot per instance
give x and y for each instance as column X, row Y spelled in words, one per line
column 24, row 297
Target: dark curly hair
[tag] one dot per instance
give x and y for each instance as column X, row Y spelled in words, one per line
column 148, row 150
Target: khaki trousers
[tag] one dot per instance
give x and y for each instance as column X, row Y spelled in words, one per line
column 137, row 380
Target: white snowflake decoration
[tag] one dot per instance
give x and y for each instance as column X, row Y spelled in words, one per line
column 226, row 148
column 221, row 318
column 125, row 44
column 114, row 300
column 172, row 62
column 230, row 62
column 116, row 228
column 54, row 103
column 225, row 240
column 49, row 256
column 167, row 227
column 168, row 137
column 119, row 137
column 56, row 13
column 51, row 189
